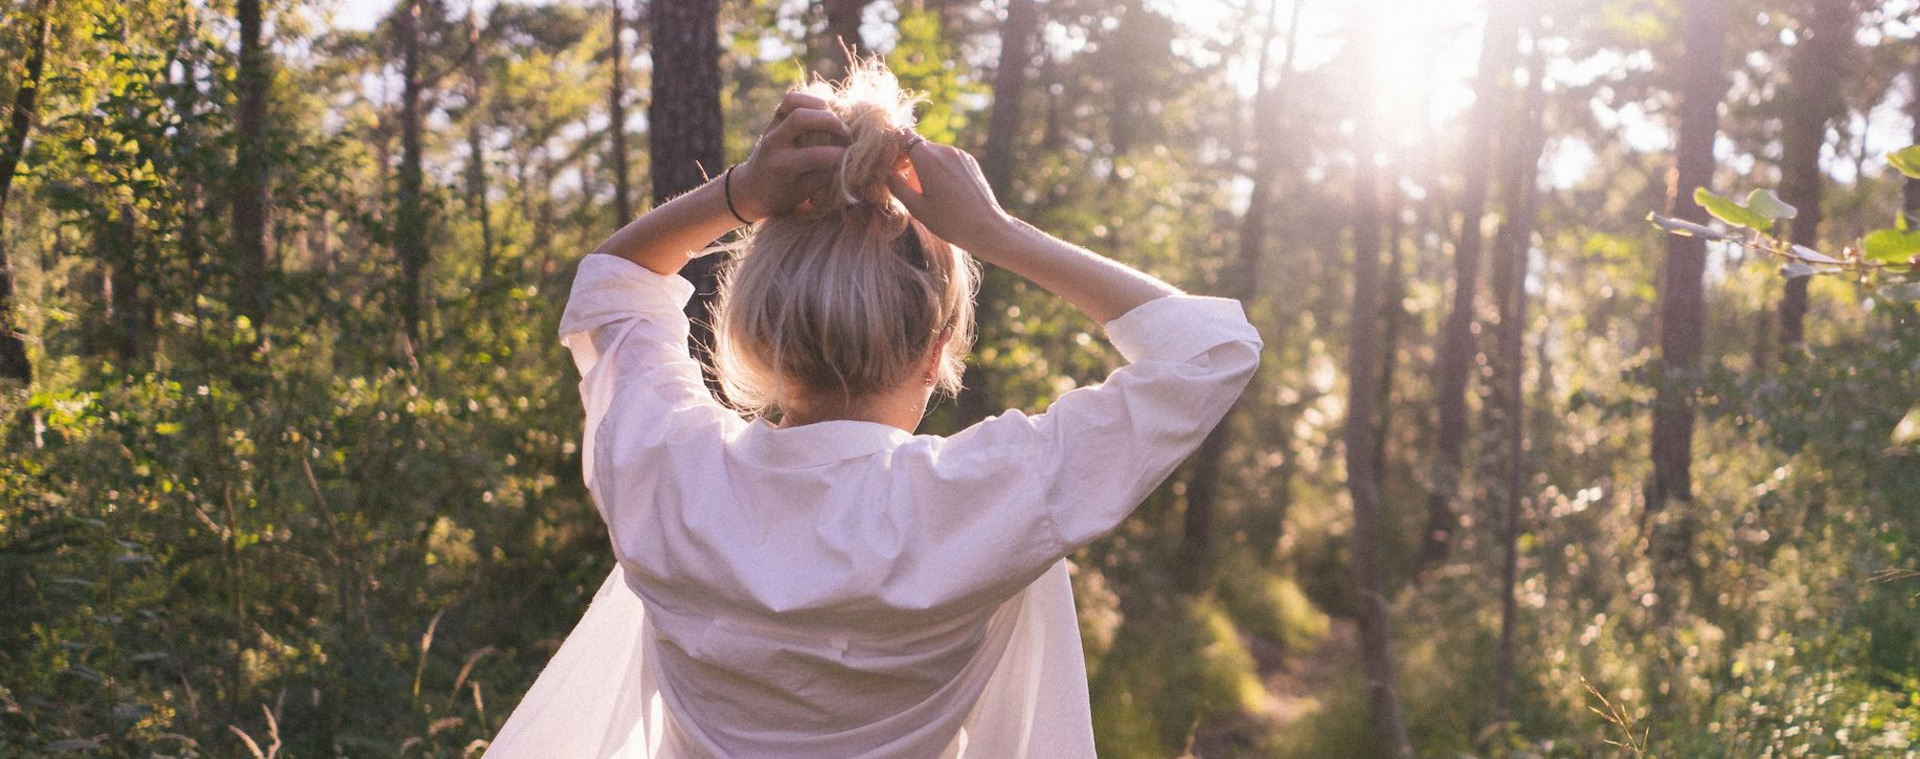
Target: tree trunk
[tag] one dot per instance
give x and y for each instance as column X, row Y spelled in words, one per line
column 1454, row 363
column 1242, row 276
column 842, row 36
column 1911, row 192
column 1682, row 301
column 410, row 216
column 251, row 166
column 1522, row 204
column 1004, row 123
column 477, row 151
column 1819, row 65
column 617, row 115
column 14, row 364
column 684, row 129
column 1363, row 373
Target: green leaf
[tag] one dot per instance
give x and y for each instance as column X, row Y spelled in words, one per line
column 1907, row 432
column 1767, row 204
column 1890, row 246
column 1729, row 211
column 1685, row 228
column 1906, row 161
column 1812, row 256
column 1906, row 293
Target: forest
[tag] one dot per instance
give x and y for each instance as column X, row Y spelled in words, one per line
column 1588, row 422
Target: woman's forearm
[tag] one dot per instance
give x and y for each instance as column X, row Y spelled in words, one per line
column 1102, row 288
column 665, row 238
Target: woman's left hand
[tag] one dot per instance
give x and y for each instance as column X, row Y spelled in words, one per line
column 784, row 169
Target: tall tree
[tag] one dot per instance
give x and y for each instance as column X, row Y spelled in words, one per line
column 14, row 363
column 684, row 126
column 1910, row 199
column 1513, row 244
column 842, row 34
column 1004, row 127
column 1815, row 73
column 1454, row 362
column 251, row 165
column 1203, row 482
column 476, row 146
column 1682, row 320
column 617, row 112
column 1364, row 369
column 410, row 217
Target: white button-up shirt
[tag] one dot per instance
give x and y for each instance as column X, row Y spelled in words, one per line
column 844, row 588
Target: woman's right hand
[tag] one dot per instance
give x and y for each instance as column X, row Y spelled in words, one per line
column 942, row 187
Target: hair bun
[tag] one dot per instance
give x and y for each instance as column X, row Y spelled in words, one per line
column 879, row 118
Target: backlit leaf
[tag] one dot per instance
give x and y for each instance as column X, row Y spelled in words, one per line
column 1730, row 212
column 1767, row 204
column 1890, row 246
column 1906, row 161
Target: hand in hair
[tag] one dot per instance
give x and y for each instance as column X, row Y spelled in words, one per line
column 943, row 188
column 792, row 161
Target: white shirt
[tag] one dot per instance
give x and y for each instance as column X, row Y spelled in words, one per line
column 844, row 588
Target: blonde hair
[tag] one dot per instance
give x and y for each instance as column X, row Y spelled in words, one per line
column 828, row 305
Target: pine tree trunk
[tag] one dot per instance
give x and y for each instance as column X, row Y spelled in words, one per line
column 1819, row 64
column 1004, row 126
column 410, row 217
column 1911, row 191
column 477, row 151
column 1241, row 282
column 684, row 127
column 251, row 166
column 14, row 364
column 1454, row 363
column 842, row 35
column 1522, row 204
column 1363, row 372
column 617, row 115
column 1682, row 317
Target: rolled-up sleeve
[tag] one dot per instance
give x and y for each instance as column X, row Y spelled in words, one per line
column 1081, row 467
column 627, row 330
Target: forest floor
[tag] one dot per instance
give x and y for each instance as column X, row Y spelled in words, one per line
column 1295, row 683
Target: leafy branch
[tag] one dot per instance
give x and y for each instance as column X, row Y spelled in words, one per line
column 1885, row 262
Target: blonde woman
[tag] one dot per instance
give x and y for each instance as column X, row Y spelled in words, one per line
column 816, row 580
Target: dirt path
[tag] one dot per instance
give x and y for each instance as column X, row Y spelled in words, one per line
column 1294, row 681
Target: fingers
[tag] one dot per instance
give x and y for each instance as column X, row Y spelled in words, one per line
column 802, row 121
column 795, row 101
column 907, row 190
column 803, row 160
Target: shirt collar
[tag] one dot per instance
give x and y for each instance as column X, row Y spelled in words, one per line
column 815, row 444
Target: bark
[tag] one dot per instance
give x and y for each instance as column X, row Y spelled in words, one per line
column 1703, row 83
column 1004, row 126
column 1363, row 373
column 1911, row 192
column 1522, row 204
column 617, row 115
column 477, row 150
column 14, row 364
column 685, row 129
column 410, row 216
column 1454, row 363
column 842, row 37
column 1818, row 66
column 1242, row 276
column 251, row 166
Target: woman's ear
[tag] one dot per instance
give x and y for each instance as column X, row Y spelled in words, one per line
column 935, row 355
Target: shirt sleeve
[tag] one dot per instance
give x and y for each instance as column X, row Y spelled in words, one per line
column 626, row 327
column 1039, row 487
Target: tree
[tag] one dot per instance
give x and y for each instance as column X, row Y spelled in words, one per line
column 842, row 34
column 1204, row 480
column 1815, row 73
column 410, row 217
column 251, row 165
column 617, row 111
column 1364, row 368
column 14, row 364
column 1703, row 82
column 684, row 126
column 1513, row 245
column 476, row 172
column 1004, row 126
column 1454, row 362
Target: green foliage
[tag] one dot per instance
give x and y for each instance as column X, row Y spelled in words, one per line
column 1732, row 212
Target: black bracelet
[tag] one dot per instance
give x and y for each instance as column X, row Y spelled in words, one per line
column 727, row 184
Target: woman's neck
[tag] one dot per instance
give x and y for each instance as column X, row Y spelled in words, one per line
column 901, row 408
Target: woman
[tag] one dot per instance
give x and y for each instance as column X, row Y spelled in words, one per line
column 819, row 581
